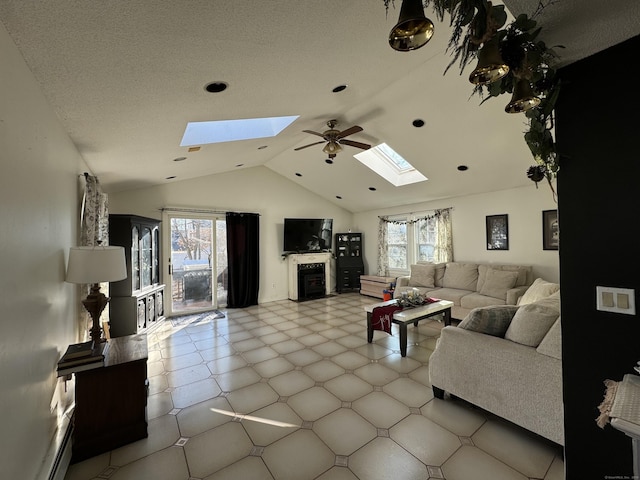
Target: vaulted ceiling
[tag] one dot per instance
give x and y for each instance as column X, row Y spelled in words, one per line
column 125, row 77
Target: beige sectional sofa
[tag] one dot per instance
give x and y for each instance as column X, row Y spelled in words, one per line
column 507, row 360
column 468, row 285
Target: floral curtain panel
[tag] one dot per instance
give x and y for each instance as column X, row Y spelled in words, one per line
column 383, row 258
column 94, row 229
column 443, row 251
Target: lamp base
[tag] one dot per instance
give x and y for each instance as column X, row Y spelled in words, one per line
column 95, row 303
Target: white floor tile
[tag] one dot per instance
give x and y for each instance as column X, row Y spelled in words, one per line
column 289, row 390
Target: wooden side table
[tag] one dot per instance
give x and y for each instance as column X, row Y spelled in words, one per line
column 111, row 401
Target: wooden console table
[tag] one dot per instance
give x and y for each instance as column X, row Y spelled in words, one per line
column 111, row 401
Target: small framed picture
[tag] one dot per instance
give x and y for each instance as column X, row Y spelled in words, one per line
column 498, row 232
column 550, row 230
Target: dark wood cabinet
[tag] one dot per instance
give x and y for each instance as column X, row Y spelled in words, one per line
column 111, row 400
column 137, row 302
column 349, row 263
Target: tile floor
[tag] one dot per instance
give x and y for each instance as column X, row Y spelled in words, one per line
column 289, row 390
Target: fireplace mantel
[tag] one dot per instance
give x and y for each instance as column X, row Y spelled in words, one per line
column 299, row 259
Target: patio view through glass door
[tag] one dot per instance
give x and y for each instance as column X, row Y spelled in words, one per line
column 198, row 263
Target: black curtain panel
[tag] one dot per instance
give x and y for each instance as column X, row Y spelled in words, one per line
column 243, row 234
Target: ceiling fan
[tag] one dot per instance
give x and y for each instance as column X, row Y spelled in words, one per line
column 334, row 139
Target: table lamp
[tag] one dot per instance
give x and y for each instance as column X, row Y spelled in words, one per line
column 94, row 265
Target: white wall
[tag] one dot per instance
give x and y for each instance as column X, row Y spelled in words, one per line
column 523, row 205
column 39, row 212
column 257, row 190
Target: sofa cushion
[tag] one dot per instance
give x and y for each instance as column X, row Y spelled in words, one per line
column 522, row 270
column 462, row 276
column 440, row 269
column 532, row 321
column 497, row 282
column 422, row 275
column 551, row 344
column 489, row 320
column 538, row 290
column 475, row 300
column 452, row 294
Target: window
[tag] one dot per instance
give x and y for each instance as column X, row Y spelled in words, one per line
column 426, row 239
column 397, row 246
column 410, row 239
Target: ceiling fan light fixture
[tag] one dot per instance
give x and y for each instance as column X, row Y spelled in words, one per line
column 332, row 148
column 413, row 29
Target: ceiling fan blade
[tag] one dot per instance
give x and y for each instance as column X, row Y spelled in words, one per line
column 349, row 131
column 310, row 145
column 351, row 143
column 314, row 133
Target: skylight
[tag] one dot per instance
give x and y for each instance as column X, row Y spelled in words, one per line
column 200, row 133
column 390, row 165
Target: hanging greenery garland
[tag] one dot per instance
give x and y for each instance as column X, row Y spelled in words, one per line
column 475, row 23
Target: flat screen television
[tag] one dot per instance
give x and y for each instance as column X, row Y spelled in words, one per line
column 302, row 235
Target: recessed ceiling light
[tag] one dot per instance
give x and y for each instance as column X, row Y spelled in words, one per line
column 262, row 147
column 171, row 177
column 418, row 122
column 462, row 168
column 240, row 165
column 298, row 174
column 338, row 197
column 216, row 87
column 329, row 161
column 373, row 189
column 339, row 88
column 179, row 159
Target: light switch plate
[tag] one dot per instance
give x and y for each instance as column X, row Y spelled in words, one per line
column 617, row 300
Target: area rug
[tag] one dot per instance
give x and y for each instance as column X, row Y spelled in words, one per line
column 197, row 318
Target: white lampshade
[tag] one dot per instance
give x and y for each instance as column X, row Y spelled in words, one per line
column 96, row 264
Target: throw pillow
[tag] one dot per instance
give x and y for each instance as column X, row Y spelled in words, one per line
column 439, row 276
column 532, row 321
column 497, row 282
column 551, row 344
column 538, row 290
column 492, row 320
column 463, row 276
column 523, row 273
column 422, row 275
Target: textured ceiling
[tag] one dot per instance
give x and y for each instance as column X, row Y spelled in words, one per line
column 125, row 77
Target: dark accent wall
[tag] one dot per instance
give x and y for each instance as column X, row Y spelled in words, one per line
column 598, row 137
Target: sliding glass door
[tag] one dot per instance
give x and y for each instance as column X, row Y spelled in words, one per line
column 196, row 261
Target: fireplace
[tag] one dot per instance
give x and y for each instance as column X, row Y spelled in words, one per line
column 309, row 275
column 310, row 281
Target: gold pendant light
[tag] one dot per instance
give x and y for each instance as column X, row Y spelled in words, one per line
column 490, row 66
column 413, row 29
column 523, row 98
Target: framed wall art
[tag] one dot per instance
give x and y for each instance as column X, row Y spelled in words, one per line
column 498, row 232
column 550, row 230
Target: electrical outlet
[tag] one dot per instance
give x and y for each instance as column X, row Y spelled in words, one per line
column 617, row 300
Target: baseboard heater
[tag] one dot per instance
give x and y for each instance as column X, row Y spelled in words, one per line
column 58, row 458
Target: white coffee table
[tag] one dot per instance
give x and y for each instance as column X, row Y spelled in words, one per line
column 409, row 315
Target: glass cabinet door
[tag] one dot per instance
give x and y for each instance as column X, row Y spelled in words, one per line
column 155, row 274
column 146, row 260
column 135, row 258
